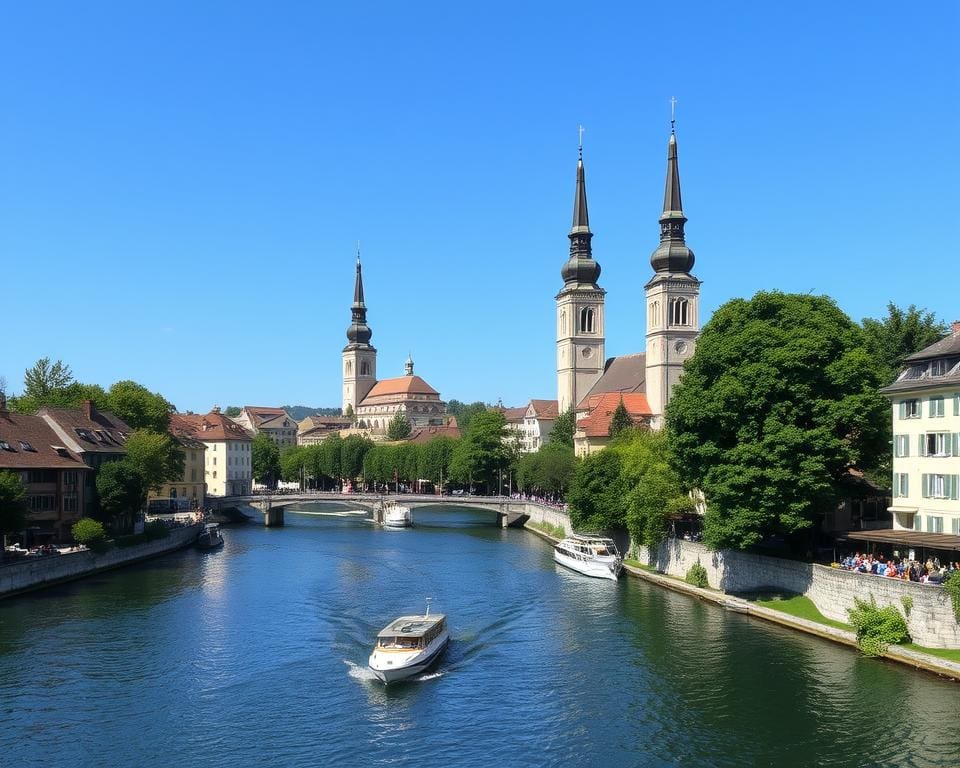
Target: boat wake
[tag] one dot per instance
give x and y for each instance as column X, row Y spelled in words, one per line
column 362, row 673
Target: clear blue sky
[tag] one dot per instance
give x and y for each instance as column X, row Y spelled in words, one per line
column 182, row 184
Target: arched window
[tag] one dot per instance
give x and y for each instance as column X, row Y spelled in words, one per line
column 678, row 311
column 654, row 319
column 563, row 322
column 364, row 368
column 586, row 320
column 349, row 368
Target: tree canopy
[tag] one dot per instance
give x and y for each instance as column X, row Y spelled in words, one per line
column 620, row 420
column 121, row 489
column 778, row 402
column 13, row 503
column 481, row 455
column 563, row 428
column 464, row 412
column 265, row 459
column 399, row 427
column 138, row 406
column 547, row 472
column 902, row 332
column 597, row 491
column 155, row 456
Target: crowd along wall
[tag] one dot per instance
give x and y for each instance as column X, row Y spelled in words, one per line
column 37, row 572
column 931, row 622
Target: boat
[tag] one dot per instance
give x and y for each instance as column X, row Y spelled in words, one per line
column 409, row 645
column 396, row 515
column 589, row 554
column 210, row 537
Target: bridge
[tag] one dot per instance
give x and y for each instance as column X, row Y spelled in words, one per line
column 510, row 512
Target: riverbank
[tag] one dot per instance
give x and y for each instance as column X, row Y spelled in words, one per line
column 899, row 654
column 40, row 572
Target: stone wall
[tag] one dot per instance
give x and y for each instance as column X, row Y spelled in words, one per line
column 540, row 513
column 36, row 572
column 931, row 622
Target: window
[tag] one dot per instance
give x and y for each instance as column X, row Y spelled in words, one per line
column 901, row 485
column 25, row 446
column 910, row 409
column 349, row 368
column 70, row 503
column 955, row 526
column 678, row 311
column 42, row 503
column 41, row 476
column 936, row 444
column 70, row 478
column 654, row 319
column 586, row 320
column 916, row 523
column 901, row 445
column 936, row 406
column 214, row 474
column 941, row 486
column 934, row 524
column 214, row 461
column 364, row 368
column 7, row 447
column 938, row 367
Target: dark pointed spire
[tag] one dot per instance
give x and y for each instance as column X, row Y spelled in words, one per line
column 580, row 267
column 672, row 255
column 358, row 333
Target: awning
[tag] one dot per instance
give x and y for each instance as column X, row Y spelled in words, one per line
column 903, row 510
column 915, row 539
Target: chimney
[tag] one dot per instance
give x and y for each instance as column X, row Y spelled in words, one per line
column 88, row 409
column 955, row 328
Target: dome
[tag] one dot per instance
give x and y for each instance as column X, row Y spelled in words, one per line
column 580, row 269
column 359, row 333
column 672, row 256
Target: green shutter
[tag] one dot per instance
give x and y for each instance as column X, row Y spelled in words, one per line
column 954, row 481
column 903, row 409
column 955, row 439
column 956, row 404
column 925, row 485
column 906, row 485
column 921, row 445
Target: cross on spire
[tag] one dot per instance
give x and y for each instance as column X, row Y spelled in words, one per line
column 673, row 112
column 580, row 140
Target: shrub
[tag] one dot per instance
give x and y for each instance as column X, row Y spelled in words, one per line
column 877, row 627
column 952, row 585
column 87, row 531
column 697, row 575
column 907, row 603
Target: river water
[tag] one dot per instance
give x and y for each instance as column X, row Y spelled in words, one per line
column 256, row 655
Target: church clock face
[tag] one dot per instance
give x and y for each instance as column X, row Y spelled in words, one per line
column 681, row 347
column 586, row 352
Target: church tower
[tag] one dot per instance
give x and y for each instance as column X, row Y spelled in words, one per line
column 580, row 340
column 359, row 356
column 673, row 297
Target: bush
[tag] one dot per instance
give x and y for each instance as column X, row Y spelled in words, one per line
column 907, row 603
column 697, row 575
column 155, row 529
column 952, row 585
column 877, row 627
column 87, row 531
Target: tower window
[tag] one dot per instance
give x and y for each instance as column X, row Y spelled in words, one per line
column 586, row 320
column 678, row 311
column 364, row 368
column 654, row 314
column 349, row 368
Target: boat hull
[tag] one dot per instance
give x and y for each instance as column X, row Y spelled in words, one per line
column 598, row 569
column 409, row 667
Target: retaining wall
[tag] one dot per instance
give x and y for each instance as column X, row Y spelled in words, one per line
column 539, row 513
column 931, row 621
column 36, row 572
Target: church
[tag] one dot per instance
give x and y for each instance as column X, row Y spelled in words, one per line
column 587, row 381
column 373, row 404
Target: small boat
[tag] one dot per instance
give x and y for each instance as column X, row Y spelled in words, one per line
column 210, row 537
column 396, row 515
column 589, row 554
column 409, row 645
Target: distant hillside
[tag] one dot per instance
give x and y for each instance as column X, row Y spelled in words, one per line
column 300, row 412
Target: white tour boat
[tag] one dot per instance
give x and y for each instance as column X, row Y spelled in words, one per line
column 590, row 555
column 210, row 537
column 409, row 645
column 396, row 515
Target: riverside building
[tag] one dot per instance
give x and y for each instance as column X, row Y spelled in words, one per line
column 228, row 469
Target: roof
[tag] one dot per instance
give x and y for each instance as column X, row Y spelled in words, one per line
column 402, row 385
column 601, row 407
column 914, row 539
column 943, row 348
column 425, row 434
column 324, row 422
column 212, row 427
column 512, row 415
column 32, row 441
column 264, row 417
column 412, row 626
column 626, row 373
column 545, row 409
column 88, row 431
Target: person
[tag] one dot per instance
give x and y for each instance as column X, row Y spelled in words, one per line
column 891, row 570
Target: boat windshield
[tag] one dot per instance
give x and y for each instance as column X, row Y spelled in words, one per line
column 399, row 643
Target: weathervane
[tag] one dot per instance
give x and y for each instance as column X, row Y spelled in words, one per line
column 580, row 141
column 358, row 251
column 673, row 113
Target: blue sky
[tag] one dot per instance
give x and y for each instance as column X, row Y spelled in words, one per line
column 182, row 185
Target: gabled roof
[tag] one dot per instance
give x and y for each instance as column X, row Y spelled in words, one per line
column 88, row 430
column 544, row 409
column 402, row 385
column 943, row 348
column 32, row 441
column 323, row 422
column 262, row 416
column 211, row 427
column 512, row 415
column 425, row 434
column 601, row 407
column 626, row 373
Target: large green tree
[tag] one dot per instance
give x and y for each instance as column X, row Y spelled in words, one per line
column 45, row 378
column 121, row 488
column 353, row 449
column 155, row 456
column 399, row 427
column 902, row 332
column 139, row 407
column 293, row 462
column 548, row 471
column 13, row 503
column 480, row 455
column 435, row 456
column 563, row 428
column 778, row 402
column 620, row 420
column 597, row 493
column 265, row 459
column 464, row 412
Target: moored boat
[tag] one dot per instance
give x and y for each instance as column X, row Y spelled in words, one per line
column 396, row 515
column 210, row 537
column 409, row 645
column 589, row 554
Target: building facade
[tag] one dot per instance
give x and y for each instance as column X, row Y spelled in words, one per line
column 925, row 402
column 408, row 394
column 228, row 468
column 276, row 423
column 189, row 491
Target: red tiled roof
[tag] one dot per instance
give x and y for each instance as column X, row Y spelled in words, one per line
column 512, row 415
column 402, row 385
column 100, row 432
column 212, row 427
column 545, row 409
column 601, row 407
column 19, row 430
column 262, row 416
column 425, row 434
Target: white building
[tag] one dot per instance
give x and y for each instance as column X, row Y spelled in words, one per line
column 279, row 425
column 926, row 439
column 227, row 461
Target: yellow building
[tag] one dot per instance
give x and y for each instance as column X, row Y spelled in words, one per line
column 190, row 491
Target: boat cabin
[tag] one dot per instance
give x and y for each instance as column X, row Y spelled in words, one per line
column 411, row 633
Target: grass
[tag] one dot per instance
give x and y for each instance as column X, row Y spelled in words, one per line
column 637, row 564
column 944, row 653
column 801, row 607
column 557, row 531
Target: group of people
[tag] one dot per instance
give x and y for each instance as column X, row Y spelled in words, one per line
column 545, row 500
column 930, row 572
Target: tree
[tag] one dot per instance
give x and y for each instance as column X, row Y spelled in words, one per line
column 902, row 332
column 42, row 378
column 232, row 411
column 52, row 385
column 121, row 489
column 399, row 428
column 548, row 471
column 563, row 428
column 597, row 491
column 435, row 457
column 349, row 413
column 87, row 531
column 620, row 420
column 481, row 454
column 331, row 457
column 353, row 449
column 464, row 413
column 265, row 459
column 155, row 456
column 292, row 463
column 139, row 407
column 13, row 503
column 778, row 402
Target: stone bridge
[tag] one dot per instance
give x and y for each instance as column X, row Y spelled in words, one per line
column 510, row 512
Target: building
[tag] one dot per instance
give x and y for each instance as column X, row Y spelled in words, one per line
column 925, row 402
column 190, row 490
column 97, row 437
column 372, row 404
column 512, row 424
column 279, row 425
column 228, row 469
column 529, row 427
column 672, row 315
column 315, row 429
column 596, row 413
column 55, row 478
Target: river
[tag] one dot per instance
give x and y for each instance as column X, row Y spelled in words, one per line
column 256, row 655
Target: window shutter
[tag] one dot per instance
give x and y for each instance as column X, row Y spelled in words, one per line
column 954, row 483
column 956, row 404
column 925, row 485
column 903, row 409
column 955, row 451
column 922, row 445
